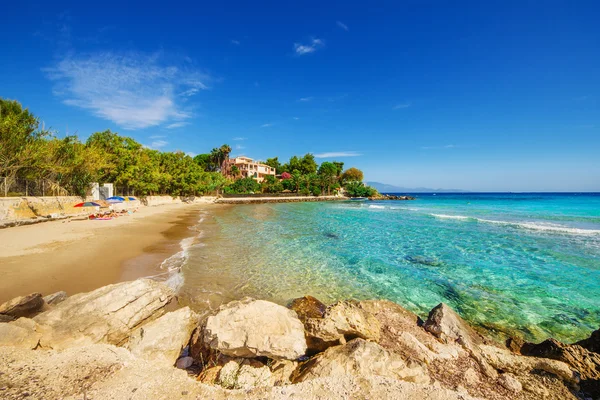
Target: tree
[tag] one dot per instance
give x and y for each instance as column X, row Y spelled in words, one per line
column 274, row 163
column 20, row 139
column 296, row 180
column 235, row 171
column 328, row 174
column 243, row 186
column 340, row 167
column 352, row 175
column 308, row 164
column 358, row 189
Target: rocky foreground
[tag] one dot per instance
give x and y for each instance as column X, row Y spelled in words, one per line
column 131, row 341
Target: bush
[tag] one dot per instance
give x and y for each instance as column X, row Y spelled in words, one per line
column 305, row 192
column 358, row 189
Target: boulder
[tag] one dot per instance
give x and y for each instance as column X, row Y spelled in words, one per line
column 254, row 328
column 360, row 358
column 22, row 306
column 504, row 360
column 592, row 343
column 244, row 374
column 106, row 315
column 342, row 321
column 162, row 340
column 448, row 326
column 281, row 372
column 20, row 333
column 308, row 307
column 585, row 362
column 55, row 298
column 514, row 344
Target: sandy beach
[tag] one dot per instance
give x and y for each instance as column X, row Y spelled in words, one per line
column 82, row 255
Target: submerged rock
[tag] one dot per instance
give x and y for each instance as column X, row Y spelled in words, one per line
column 106, row 315
column 22, row 306
column 162, row 340
column 55, row 298
column 361, row 358
column 254, row 328
column 308, row 307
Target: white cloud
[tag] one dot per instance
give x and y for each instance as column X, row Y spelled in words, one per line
column 296, row 118
column 342, row 25
column 305, row 99
column 332, row 154
column 191, row 154
column 266, row 125
column 314, row 45
column 236, row 42
column 238, row 138
column 239, row 147
column 177, row 125
column 157, row 144
column 157, row 136
column 133, row 90
column 402, row 105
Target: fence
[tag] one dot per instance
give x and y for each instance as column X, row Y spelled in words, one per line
column 20, row 187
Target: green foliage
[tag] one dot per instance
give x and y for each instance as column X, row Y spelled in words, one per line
column 274, row 163
column 352, row 175
column 243, row 186
column 271, row 185
column 359, row 189
column 68, row 166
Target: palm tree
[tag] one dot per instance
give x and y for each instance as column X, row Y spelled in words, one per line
column 225, row 150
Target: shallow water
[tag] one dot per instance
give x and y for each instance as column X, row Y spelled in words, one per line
column 507, row 262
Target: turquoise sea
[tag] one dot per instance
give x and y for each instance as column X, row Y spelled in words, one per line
column 512, row 263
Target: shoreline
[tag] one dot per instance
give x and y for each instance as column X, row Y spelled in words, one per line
column 78, row 255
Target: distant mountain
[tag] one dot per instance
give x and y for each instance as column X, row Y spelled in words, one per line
column 385, row 188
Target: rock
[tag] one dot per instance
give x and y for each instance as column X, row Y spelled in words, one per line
column 23, row 306
column 244, row 374
column 6, row 318
column 162, row 340
column 55, row 298
column 308, row 307
column 401, row 332
column 210, row 375
column 22, row 333
column 504, row 360
column 510, row 382
column 447, row 325
column 360, row 358
column 184, row 362
column 585, row 362
column 514, row 344
column 471, row 377
column 342, row 321
column 199, row 350
column 281, row 372
column 253, row 328
column 106, row 315
column 592, row 343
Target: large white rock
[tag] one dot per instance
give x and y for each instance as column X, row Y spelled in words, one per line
column 252, row 328
column 361, row 358
column 447, row 325
column 105, row 315
column 342, row 320
column 162, row 340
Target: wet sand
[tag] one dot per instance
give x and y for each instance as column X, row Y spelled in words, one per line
column 82, row 255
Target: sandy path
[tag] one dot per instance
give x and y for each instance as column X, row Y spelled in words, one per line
column 81, row 255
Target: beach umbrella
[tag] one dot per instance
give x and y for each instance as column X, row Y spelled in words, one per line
column 131, row 198
column 116, row 198
column 87, row 204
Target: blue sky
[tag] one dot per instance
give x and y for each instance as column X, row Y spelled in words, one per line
column 490, row 96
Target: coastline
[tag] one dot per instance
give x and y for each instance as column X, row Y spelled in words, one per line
column 81, row 255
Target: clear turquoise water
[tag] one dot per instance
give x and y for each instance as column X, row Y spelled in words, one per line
column 508, row 262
